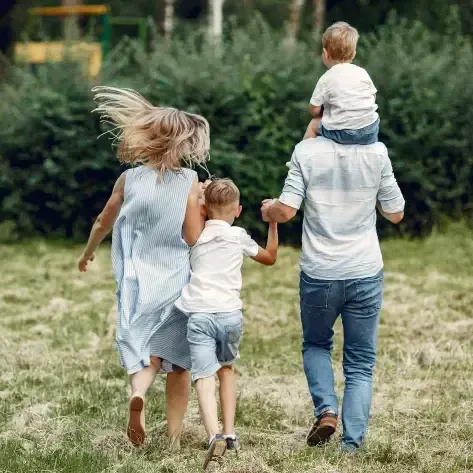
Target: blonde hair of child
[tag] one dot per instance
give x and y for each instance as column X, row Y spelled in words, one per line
column 160, row 137
column 340, row 41
column 221, row 194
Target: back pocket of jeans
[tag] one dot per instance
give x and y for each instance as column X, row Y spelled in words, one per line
column 314, row 293
column 234, row 332
column 369, row 294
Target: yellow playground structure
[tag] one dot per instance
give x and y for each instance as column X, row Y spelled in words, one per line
column 90, row 53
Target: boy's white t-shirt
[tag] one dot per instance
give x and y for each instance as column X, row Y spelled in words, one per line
column 347, row 93
column 216, row 261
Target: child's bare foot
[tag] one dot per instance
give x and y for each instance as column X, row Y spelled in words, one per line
column 136, row 422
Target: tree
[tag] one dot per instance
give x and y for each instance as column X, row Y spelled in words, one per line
column 71, row 28
column 7, row 33
column 166, row 17
column 295, row 9
column 318, row 22
column 215, row 20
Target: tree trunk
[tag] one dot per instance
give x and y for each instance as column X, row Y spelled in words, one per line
column 215, row 20
column 295, row 9
column 71, row 28
column 248, row 3
column 318, row 19
column 7, row 34
column 165, row 9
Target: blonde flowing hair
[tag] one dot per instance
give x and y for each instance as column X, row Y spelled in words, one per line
column 159, row 137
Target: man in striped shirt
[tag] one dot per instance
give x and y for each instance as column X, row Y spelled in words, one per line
column 341, row 270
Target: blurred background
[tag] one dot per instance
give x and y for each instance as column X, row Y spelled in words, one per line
column 249, row 66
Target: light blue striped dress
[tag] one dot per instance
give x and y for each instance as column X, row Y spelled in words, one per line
column 151, row 265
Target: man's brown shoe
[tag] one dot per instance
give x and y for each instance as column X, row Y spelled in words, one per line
column 323, row 429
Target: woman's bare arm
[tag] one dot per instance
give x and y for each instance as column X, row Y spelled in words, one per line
column 194, row 220
column 104, row 223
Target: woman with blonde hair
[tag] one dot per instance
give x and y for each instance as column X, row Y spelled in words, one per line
column 156, row 217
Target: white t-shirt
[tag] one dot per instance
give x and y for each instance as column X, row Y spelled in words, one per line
column 216, row 261
column 347, row 93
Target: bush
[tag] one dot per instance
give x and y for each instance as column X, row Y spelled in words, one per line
column 254, row 90
column 54, row 173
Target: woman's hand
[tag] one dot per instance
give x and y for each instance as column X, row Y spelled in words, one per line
column 203, row 186
column 84, row 261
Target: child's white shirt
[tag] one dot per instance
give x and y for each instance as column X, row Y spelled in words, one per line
column 347, row 93
column 216, row 261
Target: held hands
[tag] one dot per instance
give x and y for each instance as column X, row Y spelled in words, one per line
column 203, row 186
column 265, row 206
column 84, row 261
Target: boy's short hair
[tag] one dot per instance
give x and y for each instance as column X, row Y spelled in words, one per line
column 221, row 193
column 340, row 41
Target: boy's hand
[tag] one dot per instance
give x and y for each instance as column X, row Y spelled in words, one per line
column 84, row 261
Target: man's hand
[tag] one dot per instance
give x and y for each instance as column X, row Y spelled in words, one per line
column 272, row 210
column 265, row 205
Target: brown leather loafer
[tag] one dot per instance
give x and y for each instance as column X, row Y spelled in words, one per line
column 323, row 429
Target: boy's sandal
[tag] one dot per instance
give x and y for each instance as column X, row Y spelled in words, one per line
column 217, row 449
column 233, row 443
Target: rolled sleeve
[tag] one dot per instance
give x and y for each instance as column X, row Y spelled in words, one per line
column 389, row 194
column 293, row 193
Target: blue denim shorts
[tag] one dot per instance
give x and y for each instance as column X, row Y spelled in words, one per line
column 214, row 340
column 364, row 136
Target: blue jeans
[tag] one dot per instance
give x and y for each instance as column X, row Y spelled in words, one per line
column 359, row 304
column 364, row 136
column 214, row 340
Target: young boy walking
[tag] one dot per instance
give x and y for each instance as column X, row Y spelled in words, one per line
column 212, row 300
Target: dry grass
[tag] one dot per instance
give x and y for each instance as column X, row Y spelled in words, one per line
column 63, row 396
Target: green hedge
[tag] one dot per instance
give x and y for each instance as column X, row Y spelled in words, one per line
column 55, row 175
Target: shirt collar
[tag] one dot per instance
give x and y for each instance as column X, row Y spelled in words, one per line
column 217, row 223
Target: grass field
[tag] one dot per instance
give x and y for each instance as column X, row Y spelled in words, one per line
column 63, row 395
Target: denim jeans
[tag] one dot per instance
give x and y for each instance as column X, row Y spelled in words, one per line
column 364, row 136
column 359, row 304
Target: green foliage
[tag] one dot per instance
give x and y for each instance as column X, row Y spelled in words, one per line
column 426, row 107
column 55, row 175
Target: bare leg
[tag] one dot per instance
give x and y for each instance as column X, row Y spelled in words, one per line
column 208, row 405
column 177, row 398
column 228, row 397
column 140, row 383
column 313, row 128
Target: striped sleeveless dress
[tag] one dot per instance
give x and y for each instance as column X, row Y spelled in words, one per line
column 151, row 266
